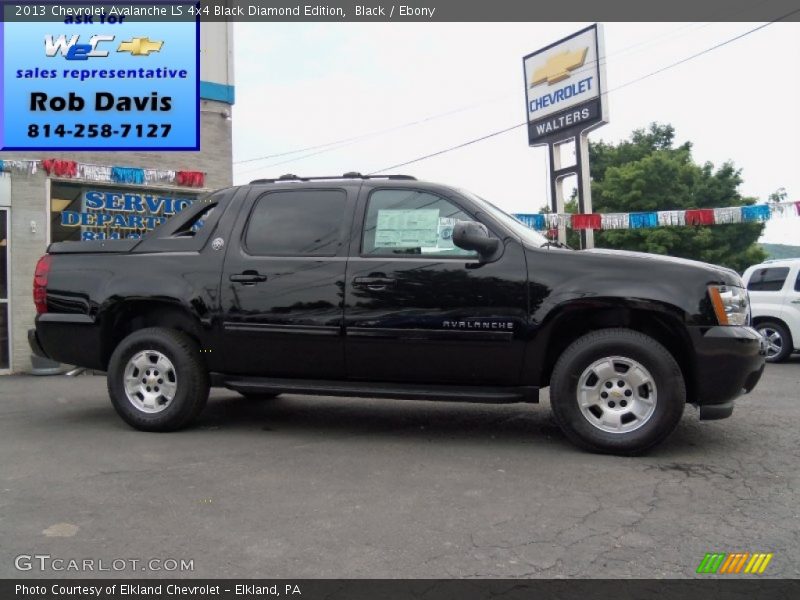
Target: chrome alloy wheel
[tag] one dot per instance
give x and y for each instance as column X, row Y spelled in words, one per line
column 150, row 381
column 774, row 340
column 617, row 394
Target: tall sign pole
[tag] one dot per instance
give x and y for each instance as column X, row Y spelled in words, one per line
column 565, row 99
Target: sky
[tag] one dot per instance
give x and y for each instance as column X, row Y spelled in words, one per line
column 409, row 89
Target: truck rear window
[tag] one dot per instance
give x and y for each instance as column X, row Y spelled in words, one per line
column 296, row 223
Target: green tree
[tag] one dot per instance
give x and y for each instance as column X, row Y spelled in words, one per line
column 649, row 173
column 778, row 195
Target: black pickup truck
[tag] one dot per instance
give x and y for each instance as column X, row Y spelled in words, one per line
column 387, row 286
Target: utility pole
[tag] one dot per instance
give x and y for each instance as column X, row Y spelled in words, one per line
column 560, row 172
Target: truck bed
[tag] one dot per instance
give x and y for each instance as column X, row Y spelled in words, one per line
column 93, row 247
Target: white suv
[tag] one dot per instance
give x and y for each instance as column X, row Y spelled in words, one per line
column 774, row 288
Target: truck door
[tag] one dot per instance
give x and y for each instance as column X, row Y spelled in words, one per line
column 282, row 288
column 417, row 308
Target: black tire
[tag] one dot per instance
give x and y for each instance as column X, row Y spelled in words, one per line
column 259, row 396
column 667, row 384
column 786, row 342
column 190, row 374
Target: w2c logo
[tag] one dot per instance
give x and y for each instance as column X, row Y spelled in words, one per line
column 72, row 50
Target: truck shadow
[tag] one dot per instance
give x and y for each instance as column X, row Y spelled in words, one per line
column 389, row 418
column 415, row 421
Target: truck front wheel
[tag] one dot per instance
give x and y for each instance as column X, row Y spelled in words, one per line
column 157, row 380
column 617, row 391
column 779, row 340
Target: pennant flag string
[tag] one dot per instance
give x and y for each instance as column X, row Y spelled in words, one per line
column 728, row 215
column 671, row 218
column 28, row 167
column 702, row 216
column 614, row 221
column 104, row 173
column 641, row 220
column 753, row 213
column 127, row 175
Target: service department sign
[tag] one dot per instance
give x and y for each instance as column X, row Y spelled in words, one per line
column 564, row 86
column 114, row 215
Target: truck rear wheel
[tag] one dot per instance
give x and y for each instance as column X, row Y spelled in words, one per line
column 157, row 380
column 617, row 391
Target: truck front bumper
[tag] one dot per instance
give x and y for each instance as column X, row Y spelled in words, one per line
column 729, row 361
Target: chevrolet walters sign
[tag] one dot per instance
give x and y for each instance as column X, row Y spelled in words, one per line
column 564, row 85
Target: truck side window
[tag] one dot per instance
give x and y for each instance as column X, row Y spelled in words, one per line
column 768, row 280
column 409, row 222
column 296, row 223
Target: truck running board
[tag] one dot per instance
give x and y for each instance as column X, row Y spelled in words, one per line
column 368, row 389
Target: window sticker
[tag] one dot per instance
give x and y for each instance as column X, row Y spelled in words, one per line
column 445, row 241
column 407, row 228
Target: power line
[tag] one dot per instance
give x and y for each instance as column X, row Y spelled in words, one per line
column 624, row 85
column 462, row 145
column 330, row 146
column 702, row 52
column 346, row 141
column 350, row 139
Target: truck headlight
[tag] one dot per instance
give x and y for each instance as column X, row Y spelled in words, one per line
column 731, row 304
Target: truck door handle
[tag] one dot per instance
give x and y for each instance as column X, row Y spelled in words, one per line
column 373, row 283
column 795, row 301
column 248, row 277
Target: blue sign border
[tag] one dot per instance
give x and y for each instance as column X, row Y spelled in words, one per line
column 3, row 148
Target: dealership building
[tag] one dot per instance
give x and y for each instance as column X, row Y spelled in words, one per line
column 57, row 196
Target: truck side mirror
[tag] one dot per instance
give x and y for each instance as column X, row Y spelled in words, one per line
column 471, row 235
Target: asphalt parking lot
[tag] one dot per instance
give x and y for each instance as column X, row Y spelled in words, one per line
column 338, row 487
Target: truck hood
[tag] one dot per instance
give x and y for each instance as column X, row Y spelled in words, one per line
column 728, row 275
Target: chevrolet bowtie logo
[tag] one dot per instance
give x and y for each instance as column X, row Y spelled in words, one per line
column 558, row 67
column 140, row 46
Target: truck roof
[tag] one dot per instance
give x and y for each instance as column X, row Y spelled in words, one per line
column 777, row 261
column 351, row 175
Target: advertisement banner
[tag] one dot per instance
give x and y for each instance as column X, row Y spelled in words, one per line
column 95, row 77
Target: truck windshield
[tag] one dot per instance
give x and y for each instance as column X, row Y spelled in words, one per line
column 527, row 234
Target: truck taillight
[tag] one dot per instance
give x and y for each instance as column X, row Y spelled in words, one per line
column 40, row 284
